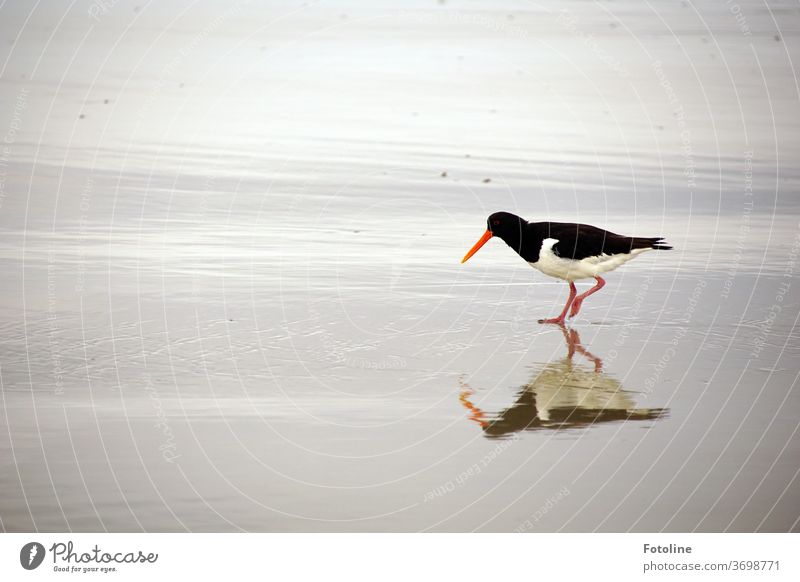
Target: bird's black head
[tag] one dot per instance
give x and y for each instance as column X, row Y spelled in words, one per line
column 504, row 225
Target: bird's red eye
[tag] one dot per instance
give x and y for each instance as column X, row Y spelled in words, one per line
column 496, row 222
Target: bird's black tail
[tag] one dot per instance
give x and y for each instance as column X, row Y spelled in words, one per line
column 657, row 243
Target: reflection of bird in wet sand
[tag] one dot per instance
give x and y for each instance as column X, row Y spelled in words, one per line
column 566, row 251
column 563, row 394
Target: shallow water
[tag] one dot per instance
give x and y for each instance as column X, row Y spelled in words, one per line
column 233, row 298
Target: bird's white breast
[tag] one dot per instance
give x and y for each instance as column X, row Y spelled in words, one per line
column 568, row 269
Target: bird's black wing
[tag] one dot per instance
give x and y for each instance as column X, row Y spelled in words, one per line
column 579, row 241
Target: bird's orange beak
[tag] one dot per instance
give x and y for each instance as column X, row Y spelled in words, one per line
column 482, row 241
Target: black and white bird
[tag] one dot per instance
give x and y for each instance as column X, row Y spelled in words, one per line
column 567, row 251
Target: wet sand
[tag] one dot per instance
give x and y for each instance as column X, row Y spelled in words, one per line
column 232, row 291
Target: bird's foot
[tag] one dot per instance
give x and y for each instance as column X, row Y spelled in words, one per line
column 558, row 320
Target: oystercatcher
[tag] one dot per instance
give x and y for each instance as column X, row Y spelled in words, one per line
column 566, row 251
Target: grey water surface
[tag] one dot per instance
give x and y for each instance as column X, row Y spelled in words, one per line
column 232, row 297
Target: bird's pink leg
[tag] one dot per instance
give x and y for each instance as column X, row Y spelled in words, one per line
column 576, row 305
column 574, row 344
column 569, row 339
column 560, row 318
column 577, row 345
